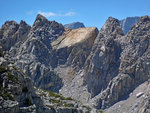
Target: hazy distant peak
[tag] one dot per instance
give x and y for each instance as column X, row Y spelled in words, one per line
column 74, row 25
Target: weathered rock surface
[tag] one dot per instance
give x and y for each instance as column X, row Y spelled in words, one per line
column 127, row 24
column 50, row 46
column 134, row 103
column 74, row 25
column 11, row 33
column 18, row 95
column 103, row 61
column 34, row 55
column 99, row 69
column 134, row 66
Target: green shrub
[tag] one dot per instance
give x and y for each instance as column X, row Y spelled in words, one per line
column 100, row 111
column 15, row 68
column 9, row 96
column 87, row 112
column 12, row 77
column 68, row 105
column 65, row 98
column 3, row 69
column 69, row 98
column 43, row 94
column 54, row 101
column 5, row 95
column 53, row 94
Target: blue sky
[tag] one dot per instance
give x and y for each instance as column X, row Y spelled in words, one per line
column 90, row 12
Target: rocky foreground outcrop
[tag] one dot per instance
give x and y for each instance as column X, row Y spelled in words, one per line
column 99, row 68
column 18, row 95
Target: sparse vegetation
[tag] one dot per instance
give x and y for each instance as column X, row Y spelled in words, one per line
column 87, row 112
column 100, row 111
column 43, row 94
column 68, row 105
column 23, row 73
column 3, row 69
column 53, row 94
column 12, row 77
column 57, row 98
column 15, row 68
column 56, row 95
column 6, row 95
column 3, row 54
column 65, row 98
column 54, row 101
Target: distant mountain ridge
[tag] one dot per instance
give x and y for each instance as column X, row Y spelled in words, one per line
column 128, row 22
column 74, row 25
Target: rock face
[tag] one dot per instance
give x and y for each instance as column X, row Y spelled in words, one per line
column 18, row 95
column 134, row 65
column 34, row 55
column 99, row 68
column 11, row 33
column 127, row 24
column 74, row 25
column 134, row 103
column 103, row 61
column 48, row 47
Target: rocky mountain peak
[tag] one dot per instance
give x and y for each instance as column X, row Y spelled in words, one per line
column 12, row 32
column 42, row 24
column 40, row 20
column 23, row 23
column 112, row 20
column 40, row 17
column 112, row 26
column 145, row 18
column 8, row 29
column 104, row 56
column 24, row 27
column 12, row 22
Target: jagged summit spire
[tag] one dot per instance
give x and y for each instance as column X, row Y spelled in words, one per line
column 39, row 16
column 12, row 22
column 112, row 21
column 145, row 18
column 40, row 19
column 23, row 24
column 112, row 27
